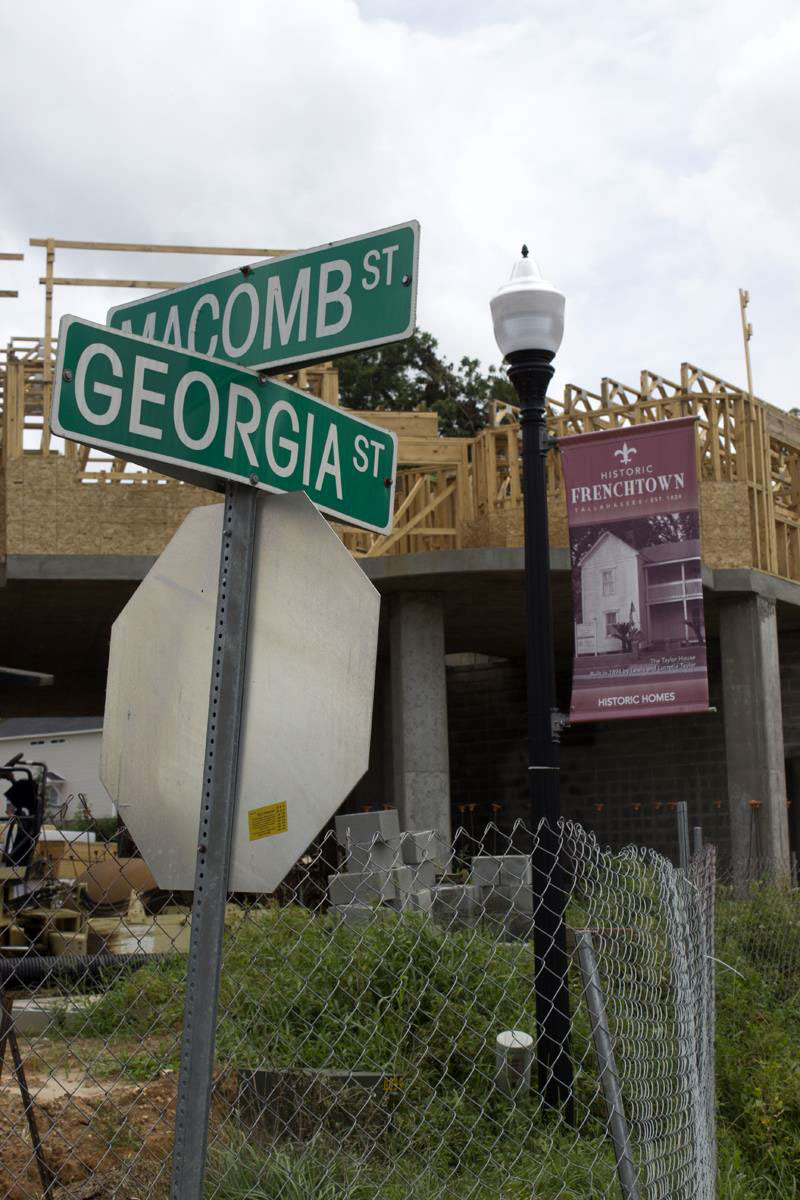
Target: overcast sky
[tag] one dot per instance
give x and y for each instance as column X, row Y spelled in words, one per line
column 646, row 150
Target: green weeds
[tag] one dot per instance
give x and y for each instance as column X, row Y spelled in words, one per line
column 405, row 999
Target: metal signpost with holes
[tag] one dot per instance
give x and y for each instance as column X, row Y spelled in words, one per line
column 228, row 666
column 209, row 420
column 296, row 309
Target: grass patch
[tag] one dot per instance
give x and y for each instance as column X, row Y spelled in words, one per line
column 408, row 1000
column 758, row 1040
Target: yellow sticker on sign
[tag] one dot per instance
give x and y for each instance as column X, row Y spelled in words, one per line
column 267, row 821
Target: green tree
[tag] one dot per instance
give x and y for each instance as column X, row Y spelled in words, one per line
column 476, row 391
column 412, row 375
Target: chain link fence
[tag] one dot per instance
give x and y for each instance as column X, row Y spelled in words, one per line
column 377, row 1029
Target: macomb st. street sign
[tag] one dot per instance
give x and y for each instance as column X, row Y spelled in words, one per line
column 299, row 308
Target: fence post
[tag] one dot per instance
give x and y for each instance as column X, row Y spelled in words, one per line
column 609, row 1079
column 697, row 839
column 683, row 835
column 8, row 1035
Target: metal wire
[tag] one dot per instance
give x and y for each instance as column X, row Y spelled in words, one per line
column 358, row 1049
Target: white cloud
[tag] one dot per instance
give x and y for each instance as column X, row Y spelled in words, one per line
column 646, row 152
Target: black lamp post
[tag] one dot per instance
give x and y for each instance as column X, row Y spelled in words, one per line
column 528, row 316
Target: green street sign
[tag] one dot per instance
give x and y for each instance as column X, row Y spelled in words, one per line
column 204, row 420
column 306, row 307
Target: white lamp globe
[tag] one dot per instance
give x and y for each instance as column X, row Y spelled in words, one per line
column 527, row 312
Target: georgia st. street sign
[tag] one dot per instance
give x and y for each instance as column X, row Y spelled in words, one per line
column 301, row 308
column 206, row 420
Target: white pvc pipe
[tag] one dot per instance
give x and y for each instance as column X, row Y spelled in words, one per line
column 513, row 1060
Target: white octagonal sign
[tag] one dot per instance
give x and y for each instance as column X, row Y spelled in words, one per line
column 308, row 694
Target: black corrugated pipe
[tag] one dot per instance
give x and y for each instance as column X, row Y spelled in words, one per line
column 36, row 969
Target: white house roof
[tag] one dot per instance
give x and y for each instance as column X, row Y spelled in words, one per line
column 662, row 552
column 604, row 536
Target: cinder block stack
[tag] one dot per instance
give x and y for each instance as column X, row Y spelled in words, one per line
column 505, row 882
column 427, row 854
column 457, row 905
column 383, row 867
column 399, row 872
column 371, row 841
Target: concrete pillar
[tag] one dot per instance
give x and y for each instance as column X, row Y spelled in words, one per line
column 419, row 713
column 751, row 692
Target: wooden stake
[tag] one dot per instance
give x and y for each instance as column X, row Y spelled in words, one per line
column 747, row 333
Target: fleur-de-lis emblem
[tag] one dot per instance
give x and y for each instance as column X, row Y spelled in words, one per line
column 625, row 452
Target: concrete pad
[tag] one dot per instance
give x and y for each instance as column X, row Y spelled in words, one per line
column 36, row 1015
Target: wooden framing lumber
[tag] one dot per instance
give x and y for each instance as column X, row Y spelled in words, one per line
column 471, row 487
column 152, row 285
column 153, row 248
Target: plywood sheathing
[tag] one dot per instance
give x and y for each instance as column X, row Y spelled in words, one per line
column 725, row 532
column 51, row 511
column 724, row 524
column 2, row 512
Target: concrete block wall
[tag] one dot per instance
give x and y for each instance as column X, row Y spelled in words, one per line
column 789, row 651
column 488, row 758
column 620, row 779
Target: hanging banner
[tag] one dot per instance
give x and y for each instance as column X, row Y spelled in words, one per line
column 634, row 535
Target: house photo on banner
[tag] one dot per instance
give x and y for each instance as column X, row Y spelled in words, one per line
column 632, row 506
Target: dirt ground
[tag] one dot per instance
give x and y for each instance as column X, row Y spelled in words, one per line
column 102, row 1138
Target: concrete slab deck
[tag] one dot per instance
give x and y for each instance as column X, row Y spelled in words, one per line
column 432, row 570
